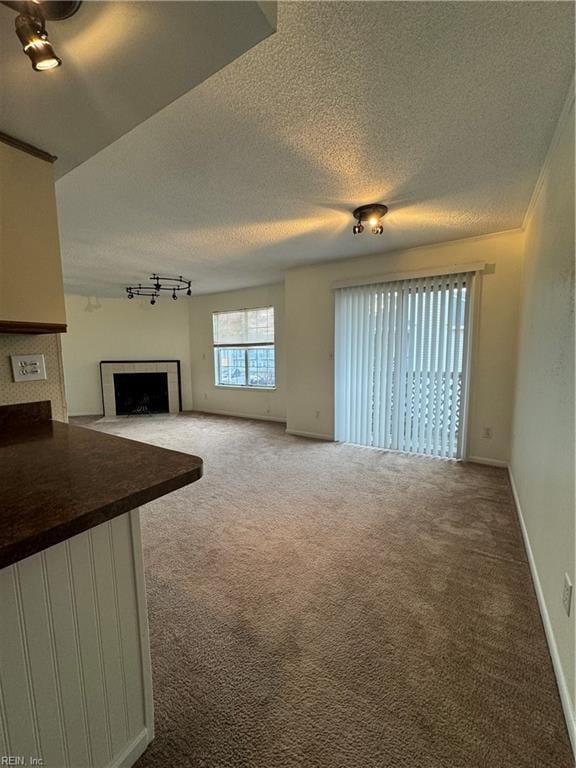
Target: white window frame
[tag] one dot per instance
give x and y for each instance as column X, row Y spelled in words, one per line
column 475, row 272
column 245, row 346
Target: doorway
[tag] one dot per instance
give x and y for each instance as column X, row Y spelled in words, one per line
column 402, row 364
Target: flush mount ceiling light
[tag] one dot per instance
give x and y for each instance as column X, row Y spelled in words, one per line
column 31, row 29
column 172, row 284
column 370, row 214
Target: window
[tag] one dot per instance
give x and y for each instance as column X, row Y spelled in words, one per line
column 244, row 352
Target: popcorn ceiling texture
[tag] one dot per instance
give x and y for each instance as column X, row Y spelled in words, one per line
column 443, row 110
column 51, row 388
column 168, row 51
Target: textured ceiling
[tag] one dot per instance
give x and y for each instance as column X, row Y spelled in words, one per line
column 122, row 62
column 443, row 110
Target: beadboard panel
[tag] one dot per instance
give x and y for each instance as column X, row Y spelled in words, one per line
column 133, row 627
column 75, row 683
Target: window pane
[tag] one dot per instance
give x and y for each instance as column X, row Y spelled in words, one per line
column 260, row 324
column 230, row 365
column 229, row 327
column 246, row 326
column 261, row 369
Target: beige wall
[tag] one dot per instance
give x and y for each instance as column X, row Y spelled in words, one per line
column 310, row 335
column 304, row 311
column 51, row 388
column 119, row 329
column 235, row 400
column 30, row 271
column 543, row 458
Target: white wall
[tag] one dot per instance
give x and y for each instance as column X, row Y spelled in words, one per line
column 310, row 335
column 119, row 329
column 236, row 401
column 543, row 457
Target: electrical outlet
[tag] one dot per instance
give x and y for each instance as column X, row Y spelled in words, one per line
column 28, row 367
column 205, row 396
column 317, row 414
column 567, row 595
column 487, row 433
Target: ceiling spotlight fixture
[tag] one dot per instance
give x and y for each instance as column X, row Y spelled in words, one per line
column 159, row 284
column 142, row 290
column 372, row 215
column 31, row 31
column 31, row 28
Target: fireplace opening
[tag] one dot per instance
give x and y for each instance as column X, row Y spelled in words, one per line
column 141, row 393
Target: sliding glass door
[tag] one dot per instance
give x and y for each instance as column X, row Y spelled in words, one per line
column 402, row 351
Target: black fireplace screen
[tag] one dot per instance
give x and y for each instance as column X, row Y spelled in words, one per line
column 141, row 393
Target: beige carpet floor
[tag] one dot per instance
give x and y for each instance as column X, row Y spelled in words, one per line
column 316, row 605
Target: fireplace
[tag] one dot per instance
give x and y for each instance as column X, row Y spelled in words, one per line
column 139, row 387
column 141, row 393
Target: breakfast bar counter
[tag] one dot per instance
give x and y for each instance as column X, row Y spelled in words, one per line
column 75, row 672
column 58, row 480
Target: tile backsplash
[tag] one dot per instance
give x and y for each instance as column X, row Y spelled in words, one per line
column 51, row 388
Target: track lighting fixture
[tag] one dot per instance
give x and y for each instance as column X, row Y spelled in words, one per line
column 31, row 28
column 159, row 284
column 31, row 31
column 371, row 214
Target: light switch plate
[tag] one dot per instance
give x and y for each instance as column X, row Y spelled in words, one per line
column 28, row 367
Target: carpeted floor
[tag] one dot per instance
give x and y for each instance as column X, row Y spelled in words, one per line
column 316, row 605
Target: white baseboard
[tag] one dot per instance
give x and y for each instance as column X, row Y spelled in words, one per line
column 488, row 462
column 131, row 751
column 552, row 647
column 237, row 415
column 313, row 435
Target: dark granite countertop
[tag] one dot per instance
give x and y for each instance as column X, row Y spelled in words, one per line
column 58, row 480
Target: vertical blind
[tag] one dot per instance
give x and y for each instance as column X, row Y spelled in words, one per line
column 400, row 364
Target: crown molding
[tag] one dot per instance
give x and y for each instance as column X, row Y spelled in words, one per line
column 560, row 126
column 409, row 249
